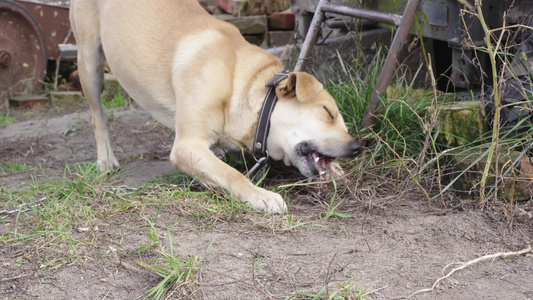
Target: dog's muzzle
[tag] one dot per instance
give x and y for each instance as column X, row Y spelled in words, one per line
column 319, row 162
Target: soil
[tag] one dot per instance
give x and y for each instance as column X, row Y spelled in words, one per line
column 390, row 246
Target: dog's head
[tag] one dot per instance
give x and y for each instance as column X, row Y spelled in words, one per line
column 307, row 129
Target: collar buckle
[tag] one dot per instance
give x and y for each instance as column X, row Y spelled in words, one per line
column 256, row 172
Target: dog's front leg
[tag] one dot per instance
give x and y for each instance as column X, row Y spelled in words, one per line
column 195, row 158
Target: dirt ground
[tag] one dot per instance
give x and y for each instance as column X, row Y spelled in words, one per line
column 390, row 247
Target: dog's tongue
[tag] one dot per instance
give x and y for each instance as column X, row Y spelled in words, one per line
column 321, row 164
column 325, row 167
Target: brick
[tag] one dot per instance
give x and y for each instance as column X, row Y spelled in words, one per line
column 27, row 101
column 281, row 21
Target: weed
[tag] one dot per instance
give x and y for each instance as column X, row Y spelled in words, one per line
column 14, row 167
column 405, row 134
column 497, row 52
column 352, row 89
column 116, row 102
column 6, row 119
column 51, row 224
column 153, row 238
column 332, row 206
column 399, row 122
column 177, row 271
column 344, row 290
column 109, row 105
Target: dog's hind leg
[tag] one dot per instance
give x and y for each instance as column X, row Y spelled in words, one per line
column 91, row 70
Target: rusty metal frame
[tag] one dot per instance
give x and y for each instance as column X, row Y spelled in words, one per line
column 361, row 13
column 402, row 21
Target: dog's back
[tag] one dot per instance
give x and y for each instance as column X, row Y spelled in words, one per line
column 154, row 49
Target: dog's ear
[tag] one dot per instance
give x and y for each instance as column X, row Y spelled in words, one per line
column 300, row 85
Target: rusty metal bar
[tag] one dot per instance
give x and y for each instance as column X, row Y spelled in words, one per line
column 361, row 13
column 310, row 38
column 390, row 61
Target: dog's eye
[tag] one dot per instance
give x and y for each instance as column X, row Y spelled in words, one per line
column 329, row 113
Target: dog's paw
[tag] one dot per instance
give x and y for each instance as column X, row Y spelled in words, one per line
column 267, row 201
column 107, row 166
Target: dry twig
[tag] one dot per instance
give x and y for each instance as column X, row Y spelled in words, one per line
column 14, row 277
column 469, row 263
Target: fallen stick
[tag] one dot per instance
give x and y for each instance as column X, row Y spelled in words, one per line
column 469, row 263
column 13, row 278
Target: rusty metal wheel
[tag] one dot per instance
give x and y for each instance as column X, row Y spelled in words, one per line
column 23, row 54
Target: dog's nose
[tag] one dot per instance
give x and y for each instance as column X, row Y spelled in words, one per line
column 305, row 149
column 354, row 148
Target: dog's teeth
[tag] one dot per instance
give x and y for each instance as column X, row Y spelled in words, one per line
column 317, row 158
column 322, row 173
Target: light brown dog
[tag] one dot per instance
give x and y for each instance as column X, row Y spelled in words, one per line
column 198, row 76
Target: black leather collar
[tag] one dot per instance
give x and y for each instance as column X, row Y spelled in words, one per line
column 259, row 150
column 263, row 125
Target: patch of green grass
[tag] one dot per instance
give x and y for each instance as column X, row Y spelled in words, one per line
column 14, row 167
column 18, row 261
column 110, row 104
column 81, row 198
column 6, row 119
column 399, row 127
column 153, row 238
column 344, row 290
column 399, row 141
column 332, row 206
column 116, row 102
column 67, row 206
column 404, row 137
column 174, row 178
column 353, row 87
column 176, row 271
column 204, row 202
column 75, row 205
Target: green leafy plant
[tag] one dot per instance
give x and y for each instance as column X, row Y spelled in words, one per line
column 6, row 119
column 176, row 271
column 332, row 206
column 116, row 102
column 14, row 167
column 153, row 238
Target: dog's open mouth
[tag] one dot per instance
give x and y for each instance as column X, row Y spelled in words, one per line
column 317, row 162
